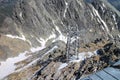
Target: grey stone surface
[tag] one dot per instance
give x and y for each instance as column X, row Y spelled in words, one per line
column 40, row 17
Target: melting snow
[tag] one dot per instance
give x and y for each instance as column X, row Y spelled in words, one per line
column 33, row 49
column 61, row 36
column 97, row 14
column 114, row 17
column 65, row 9
column 7, row 67
column 105, row 25
column 42, row 42
column 82, row 56
column 119, row 35
column 62, row 66
column 80, row 3
column 73, row 39
column 103, row 5
column 21, row 14
column 17, row 37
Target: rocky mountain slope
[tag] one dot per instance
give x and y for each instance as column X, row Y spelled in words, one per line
column 38, row 27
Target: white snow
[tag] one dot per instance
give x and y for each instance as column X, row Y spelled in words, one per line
column 113, row 28
column 21, row 14
column 17, row 37
column 102, row 7
column 105, row 25
column 33, row 49
column 97, row 14
column 79, row 1
column 82, row 56
column 29, row 42
column 95, row 52
column 7, row 67
column 42, row 42
column 65, row 8
column 51, row 37
column 73, row 39
column 119, row 35
column 62, row 66
column 103, row 28
column 91, row 30
column 61, row 36
column 114, row 17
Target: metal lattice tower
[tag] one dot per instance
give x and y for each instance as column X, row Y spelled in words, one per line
column 72, row 32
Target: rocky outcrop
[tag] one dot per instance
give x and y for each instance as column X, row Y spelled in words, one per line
column 46, row 21
column 42, row 18
column 57, row 68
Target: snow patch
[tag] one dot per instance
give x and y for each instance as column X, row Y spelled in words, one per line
column 103, row 28
column 21, row 14
column 42, row 42
column 105, row 25
column 79, row 1
column 97, row 14
column 119, row 35
column 51, row 37
column 61, row 36
column 73, row 39
column 62, row 66
column 102, row 7
column 82, row 56
column 114, row 18
column 17, row 37
column 7, row 67
column 33, row 49
column 65, row 8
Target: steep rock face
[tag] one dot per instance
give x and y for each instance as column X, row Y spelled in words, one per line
column 39, row 19
column 41, row 22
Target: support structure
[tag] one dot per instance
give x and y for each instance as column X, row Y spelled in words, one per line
column 72, row 32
